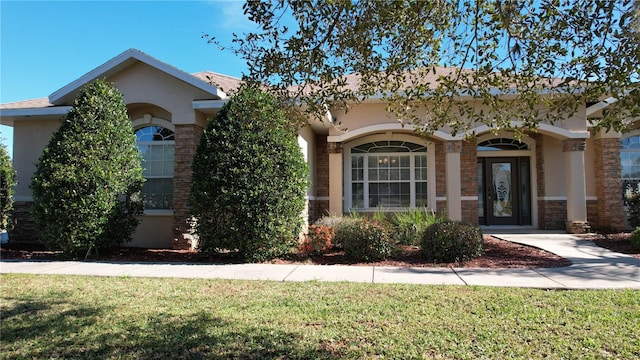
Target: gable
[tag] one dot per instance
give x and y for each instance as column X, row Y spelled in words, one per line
column 125, row 60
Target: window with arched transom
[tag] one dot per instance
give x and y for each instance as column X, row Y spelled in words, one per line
column 388, row 174
column 157, row 146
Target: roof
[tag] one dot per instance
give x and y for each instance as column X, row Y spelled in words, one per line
column 223, row 82
column 27, row 104
column 129, row 57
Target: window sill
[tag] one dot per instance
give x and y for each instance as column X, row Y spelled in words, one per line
column 158, row 212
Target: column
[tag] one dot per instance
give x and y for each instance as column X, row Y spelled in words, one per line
column 573, row 150
column 187, row 140
column 454, row 182
column 335, row 178
column 608, row 168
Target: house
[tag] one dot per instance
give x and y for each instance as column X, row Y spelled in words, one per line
column 565, row 176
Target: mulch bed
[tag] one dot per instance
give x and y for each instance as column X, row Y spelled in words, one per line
column 498, row 254
column 620, row 242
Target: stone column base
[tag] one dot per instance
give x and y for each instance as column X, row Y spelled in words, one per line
column 185, row 242
column 578, row 227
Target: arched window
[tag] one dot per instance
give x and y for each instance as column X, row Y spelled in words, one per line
column 502, row 144
column 388, row 174
column 630, row 164
column 157, row 146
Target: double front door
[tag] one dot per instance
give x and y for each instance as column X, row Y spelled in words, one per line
column 504, row 191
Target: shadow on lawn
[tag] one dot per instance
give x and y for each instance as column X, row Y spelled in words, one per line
column 64, row 330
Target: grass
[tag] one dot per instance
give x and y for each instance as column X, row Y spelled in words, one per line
column 122, row 317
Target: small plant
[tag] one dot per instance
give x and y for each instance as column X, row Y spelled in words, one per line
column 633, row 205
column 364, row 240
column 318, row 239
column 452, row 241
column 409, row 225
column 635, row 238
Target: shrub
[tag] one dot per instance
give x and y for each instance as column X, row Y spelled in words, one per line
column 317, row 240
column 633, row 204
column 635, row 238
column 338, row 223
column 7, row 181
column 452, row 241
column 87, row 182
column 409, row 225
column 249, row 180
column 364, row 240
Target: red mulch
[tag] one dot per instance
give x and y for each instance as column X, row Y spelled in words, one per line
column 620, row 242
column 498, row 254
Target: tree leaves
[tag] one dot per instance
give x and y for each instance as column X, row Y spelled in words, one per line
column 507, row 56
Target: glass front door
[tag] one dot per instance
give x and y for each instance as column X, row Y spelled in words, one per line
column 503, row 191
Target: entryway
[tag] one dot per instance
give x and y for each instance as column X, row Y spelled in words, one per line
column 504, row 191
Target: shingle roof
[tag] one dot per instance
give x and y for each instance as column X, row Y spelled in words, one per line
column 223, row 82
column 27, row 104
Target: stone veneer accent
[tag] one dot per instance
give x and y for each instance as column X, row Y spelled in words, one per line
column 24, row 225
column 441, row 175
column 187, row 139
column 610, row 208
column 319, row 208
column 469, row 181
column 552, row 214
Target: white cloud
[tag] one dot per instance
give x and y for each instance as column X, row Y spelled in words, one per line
column 232, row 17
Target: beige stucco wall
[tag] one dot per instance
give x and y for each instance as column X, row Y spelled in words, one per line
column 367, row 114
column 154, row 231
column 30, row 137
column 307, row 142
column 141, row 83
column 554, row 167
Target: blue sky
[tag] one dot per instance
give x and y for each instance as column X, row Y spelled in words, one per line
column 44, row 45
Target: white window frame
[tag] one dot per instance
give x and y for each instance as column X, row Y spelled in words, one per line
column 431, row 175
column 149, row 120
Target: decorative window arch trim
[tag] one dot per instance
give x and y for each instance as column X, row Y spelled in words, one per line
column 150, row 120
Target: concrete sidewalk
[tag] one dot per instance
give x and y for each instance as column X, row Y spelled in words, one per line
column 592, row 268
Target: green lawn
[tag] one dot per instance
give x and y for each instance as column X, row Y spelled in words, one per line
column 121, row 317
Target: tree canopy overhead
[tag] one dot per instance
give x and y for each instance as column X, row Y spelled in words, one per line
column 449, row 57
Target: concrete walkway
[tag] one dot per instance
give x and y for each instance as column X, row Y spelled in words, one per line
column 592, row 268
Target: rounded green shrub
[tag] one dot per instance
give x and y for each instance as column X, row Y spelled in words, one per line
column 452, row 241
column 7, row 181
column 249, row 180
column 633, row 204
column 86, row 188
column 635, row 238
column 363, row 240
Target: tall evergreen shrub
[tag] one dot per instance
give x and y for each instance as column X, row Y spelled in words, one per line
column 249, row 180
column 7, row 181
column 86, row 188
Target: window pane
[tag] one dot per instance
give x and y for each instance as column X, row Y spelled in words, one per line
column 158, row 193
column 421, row 194
column 357, row 195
